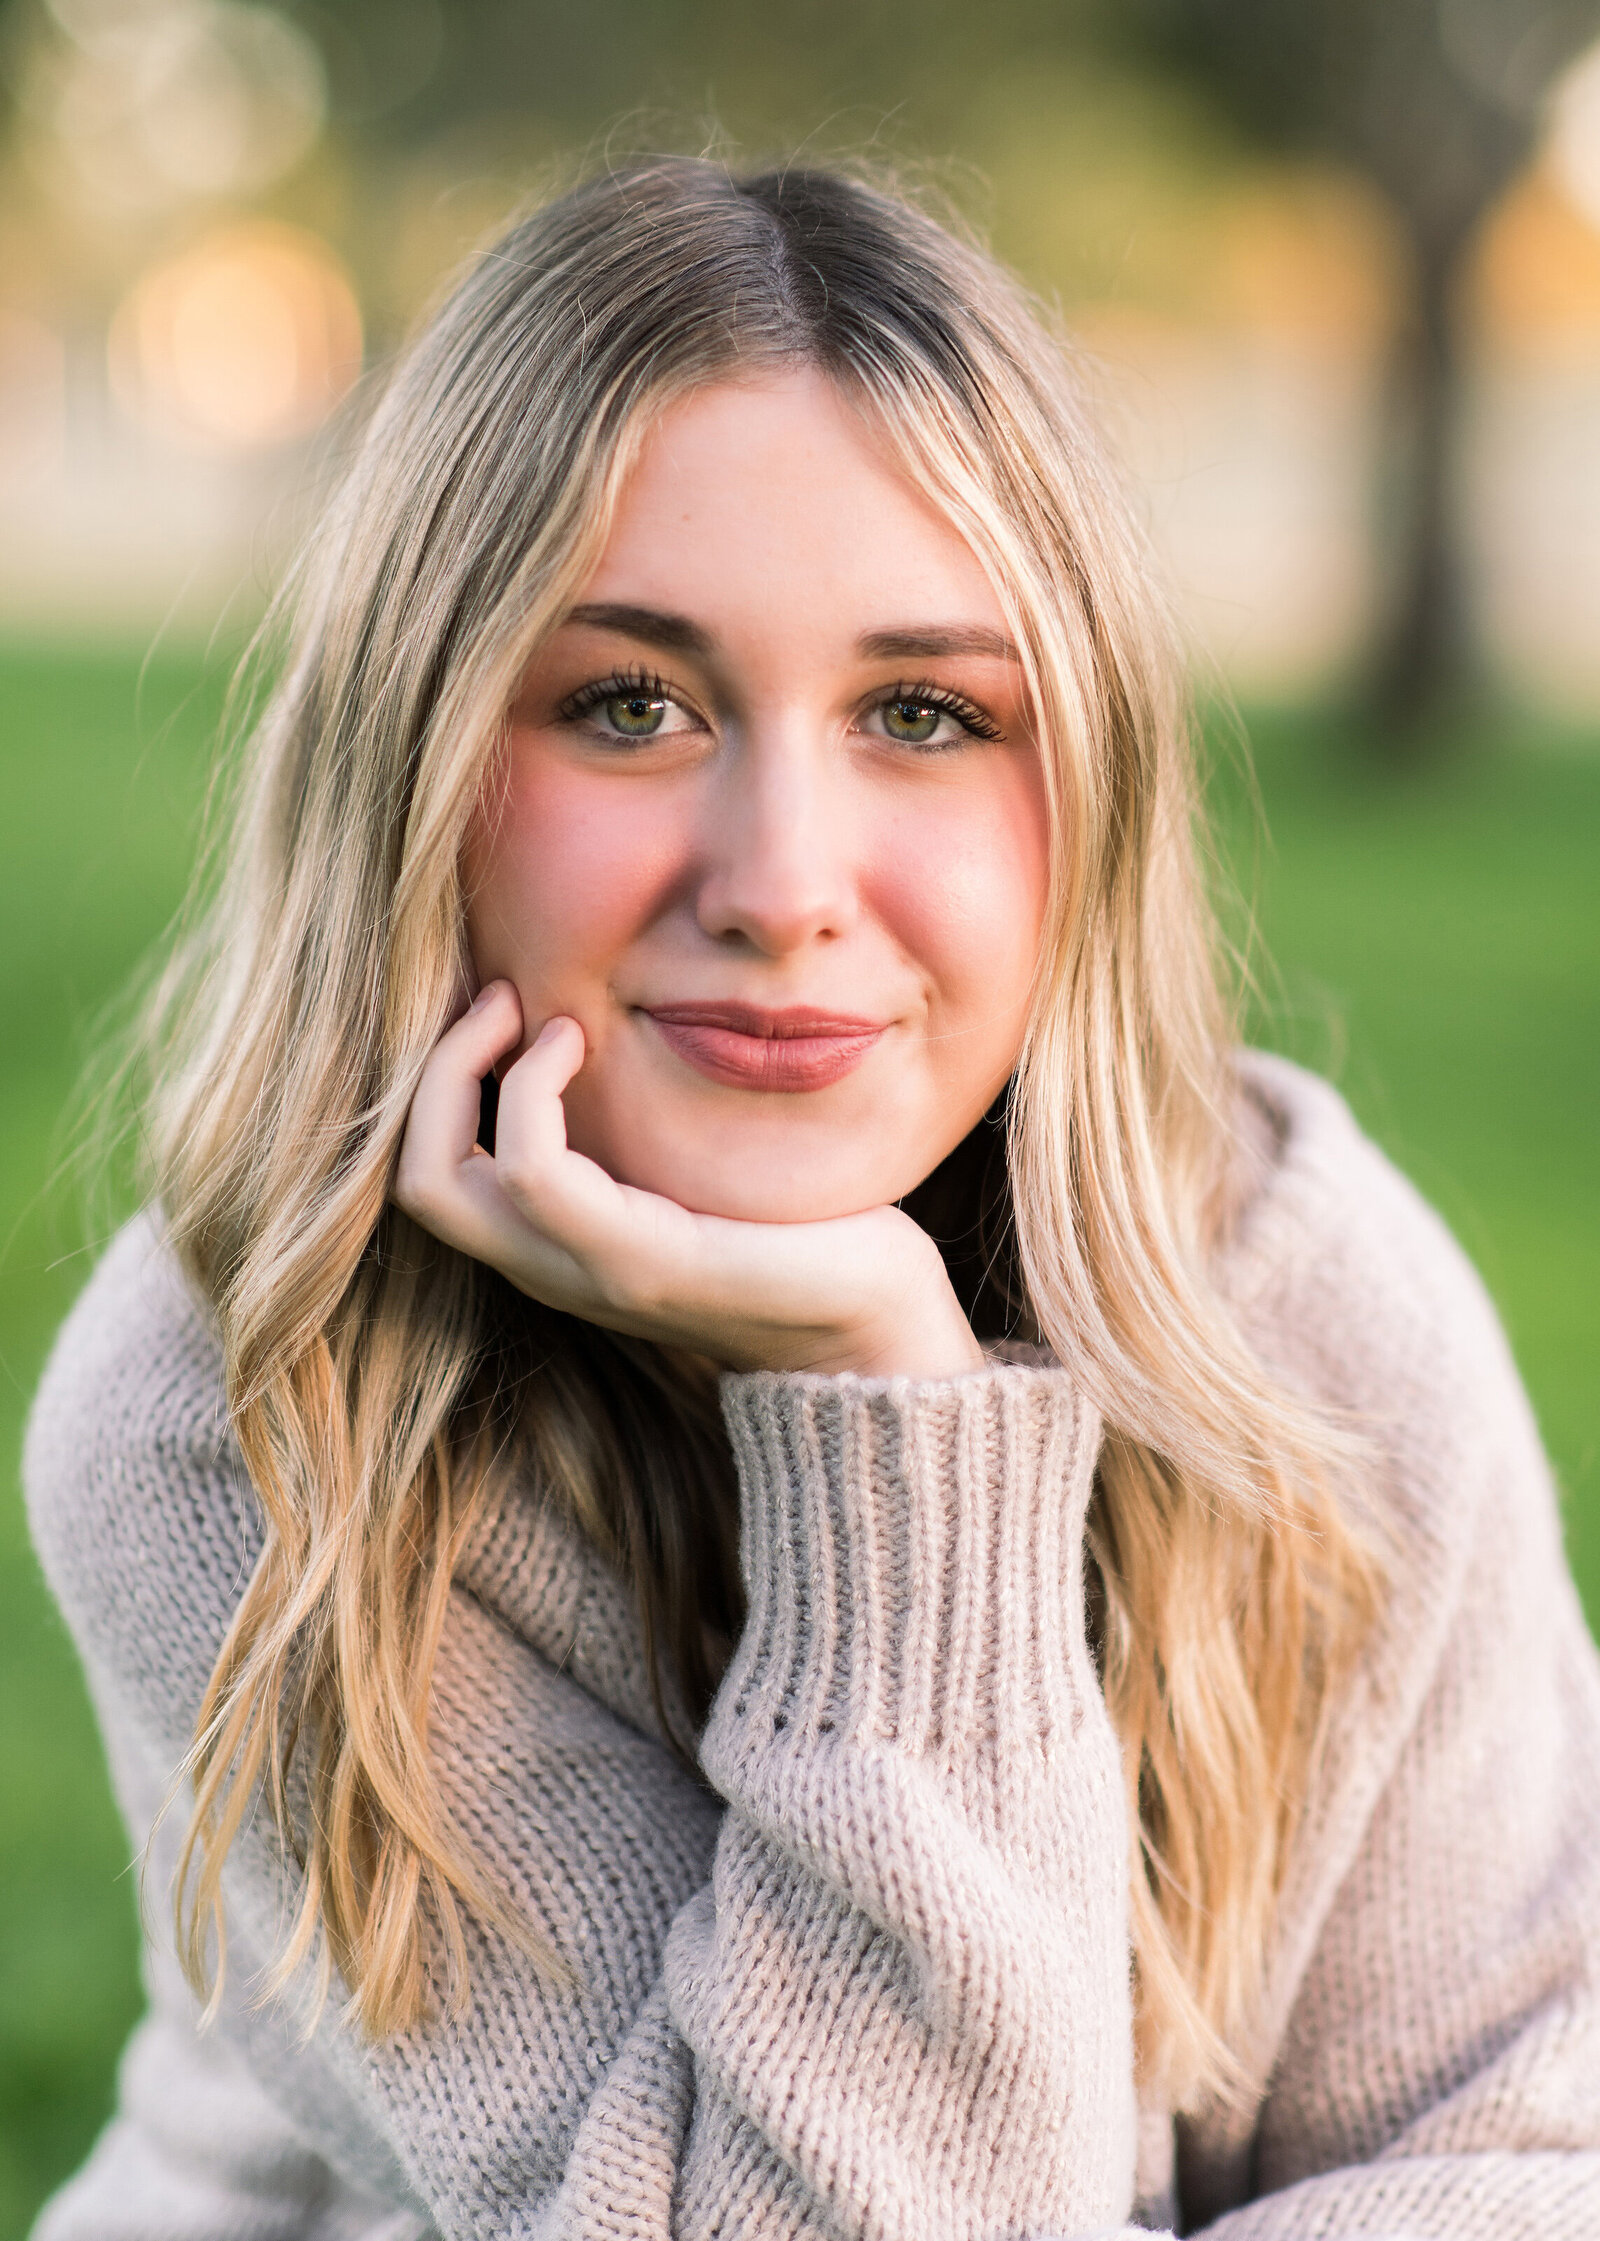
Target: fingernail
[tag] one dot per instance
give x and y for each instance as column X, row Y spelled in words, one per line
column 550, row 1029
column 482, row 997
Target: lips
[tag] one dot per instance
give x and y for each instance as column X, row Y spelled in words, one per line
column 746, row 1047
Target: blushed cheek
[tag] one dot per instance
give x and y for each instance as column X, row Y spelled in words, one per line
column 963, row 887
column 569, row 872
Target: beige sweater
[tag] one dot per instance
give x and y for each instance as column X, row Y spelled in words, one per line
column 874, row 1981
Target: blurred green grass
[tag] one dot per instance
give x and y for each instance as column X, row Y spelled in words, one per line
column 1437, row 945
column 101, row 772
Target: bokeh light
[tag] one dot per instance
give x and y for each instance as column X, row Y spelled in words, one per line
column 245, row 341
column 1575, row 135
column 155, row 100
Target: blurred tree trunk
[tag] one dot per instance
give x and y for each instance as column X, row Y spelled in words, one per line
column 1438, row 104
column 1425, row 656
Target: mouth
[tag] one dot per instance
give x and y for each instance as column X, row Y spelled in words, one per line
column 746, row 1047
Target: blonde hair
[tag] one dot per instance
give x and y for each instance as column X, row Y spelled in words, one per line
column 383, row 1389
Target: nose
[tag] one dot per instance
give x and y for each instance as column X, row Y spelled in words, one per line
column 777, row 850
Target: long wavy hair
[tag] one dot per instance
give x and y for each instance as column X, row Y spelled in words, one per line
column 384, row 1389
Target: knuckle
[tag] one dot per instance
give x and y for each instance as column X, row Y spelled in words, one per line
column 520, row 1178
column 626, row 1285
column 616, row 1293
column 414, row 1197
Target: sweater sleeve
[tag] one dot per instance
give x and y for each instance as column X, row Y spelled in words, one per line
column 872, row 1981
column 921, row 1880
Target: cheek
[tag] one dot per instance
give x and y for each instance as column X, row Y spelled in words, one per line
column 566, row 873
column 962, row 881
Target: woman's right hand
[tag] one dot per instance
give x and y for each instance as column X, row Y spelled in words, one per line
column 866, row 1293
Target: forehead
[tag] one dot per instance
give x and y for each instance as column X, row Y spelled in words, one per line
column 770, row 500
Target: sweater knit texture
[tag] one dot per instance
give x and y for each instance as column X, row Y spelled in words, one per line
column 871, row 1977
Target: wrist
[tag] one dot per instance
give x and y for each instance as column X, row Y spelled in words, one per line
column 918, row 1331
column 934, row 1348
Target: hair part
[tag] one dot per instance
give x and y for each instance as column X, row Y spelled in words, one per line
column 385, row 1391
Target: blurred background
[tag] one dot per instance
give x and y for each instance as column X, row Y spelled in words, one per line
column 1335, row 269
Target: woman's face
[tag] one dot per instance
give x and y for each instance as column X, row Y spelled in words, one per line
column 771, row 825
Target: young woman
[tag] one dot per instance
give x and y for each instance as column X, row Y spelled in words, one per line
column 811, row 1565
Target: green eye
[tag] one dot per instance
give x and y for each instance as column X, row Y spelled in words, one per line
column 911, row 720
column 635, row 715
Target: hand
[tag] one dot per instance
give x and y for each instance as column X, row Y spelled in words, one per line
column 867, row 1292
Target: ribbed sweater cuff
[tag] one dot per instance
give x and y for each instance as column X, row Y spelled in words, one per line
column 912, row 1561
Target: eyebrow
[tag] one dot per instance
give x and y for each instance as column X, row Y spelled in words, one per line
column 916, row 642
column 674, row 632
column 931, row 642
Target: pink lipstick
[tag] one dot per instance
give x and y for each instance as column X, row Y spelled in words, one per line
column 747, row 1047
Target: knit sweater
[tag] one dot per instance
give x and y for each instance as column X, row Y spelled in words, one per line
column 871, row 1977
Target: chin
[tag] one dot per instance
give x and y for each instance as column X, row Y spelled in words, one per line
column 761, row 1181
column 772, row 1161
column 756, row 1193
column 755, row 1200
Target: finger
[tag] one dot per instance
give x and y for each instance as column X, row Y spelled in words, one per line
column 566, row 1198
column 475, row 1212
column 529, row 1120
column 442, row 1127
column 457, row 1192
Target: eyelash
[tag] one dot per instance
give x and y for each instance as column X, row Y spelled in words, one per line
column 652, row 686
column 967, row 714
column 620, row 685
